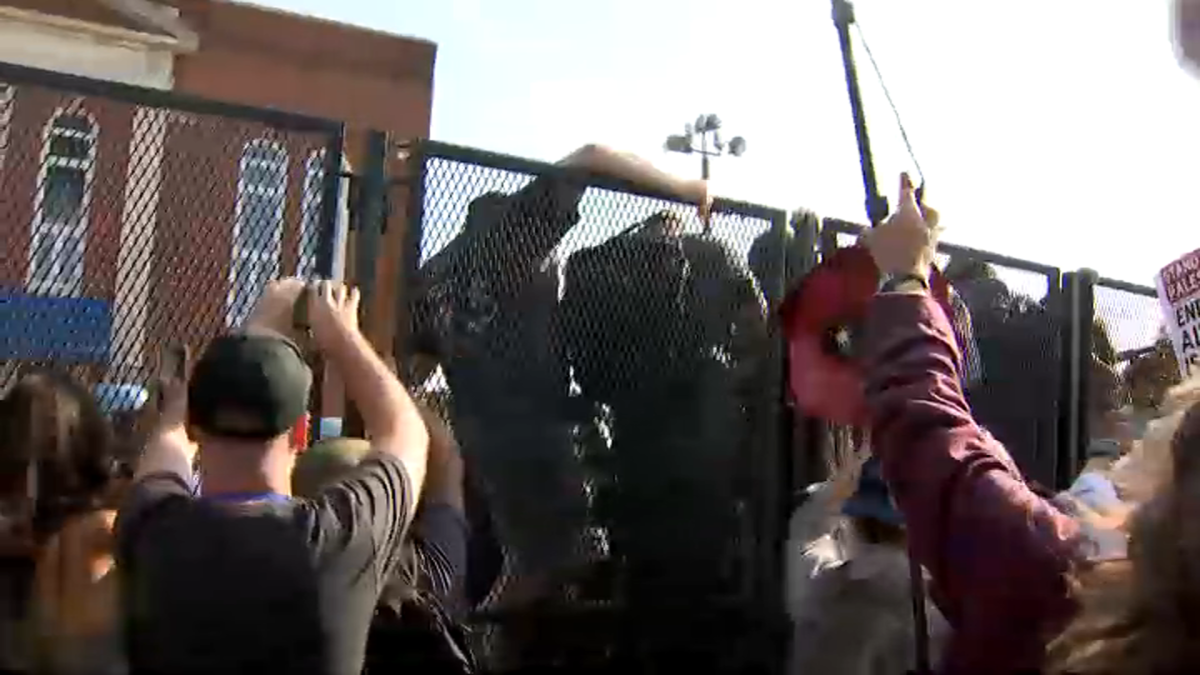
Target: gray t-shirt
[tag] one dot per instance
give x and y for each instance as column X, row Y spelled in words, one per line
column 262, row 586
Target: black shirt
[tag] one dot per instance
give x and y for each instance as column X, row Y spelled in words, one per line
column 646, row 308
column 486, row 305
column 270, row 586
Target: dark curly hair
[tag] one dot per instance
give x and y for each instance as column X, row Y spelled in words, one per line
column 56, row 453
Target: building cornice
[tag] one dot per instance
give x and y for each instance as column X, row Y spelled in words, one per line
column 157, row 17
column 100, row 31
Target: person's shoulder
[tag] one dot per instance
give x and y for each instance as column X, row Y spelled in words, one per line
column 152, row 492
column 378, row 478
column 596, row 260
column 377, row 460
column 362, row 516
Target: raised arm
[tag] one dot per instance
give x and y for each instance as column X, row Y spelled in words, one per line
column 169, row 451
column 971, row 518
column 998, row 553
column 625, row 166
column 391, row 418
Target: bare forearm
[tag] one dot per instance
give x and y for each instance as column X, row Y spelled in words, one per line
column 167, row 451
column 444, row 479
column 388, row 412
column 634, row 169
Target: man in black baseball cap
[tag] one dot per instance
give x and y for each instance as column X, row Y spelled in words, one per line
column 247, row 578
column 252, row 386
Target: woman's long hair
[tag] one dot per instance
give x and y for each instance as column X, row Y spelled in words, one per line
column 1141, row 615
column 56, row 454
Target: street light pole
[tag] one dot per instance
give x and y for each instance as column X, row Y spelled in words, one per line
column 708, row 128
column 709, row 144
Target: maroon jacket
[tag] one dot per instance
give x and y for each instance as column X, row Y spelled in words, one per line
column 997, row 553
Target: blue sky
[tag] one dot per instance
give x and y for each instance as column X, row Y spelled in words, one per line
column 1056, row 131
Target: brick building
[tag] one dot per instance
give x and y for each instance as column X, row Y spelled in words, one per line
column 127, row 220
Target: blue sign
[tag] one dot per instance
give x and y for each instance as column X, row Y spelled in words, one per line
column 75, row 330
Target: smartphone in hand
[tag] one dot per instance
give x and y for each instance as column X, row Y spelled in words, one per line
column 300, row 311
column 173, row 362
column 172, row 365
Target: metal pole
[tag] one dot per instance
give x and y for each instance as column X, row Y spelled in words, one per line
column 370, row 222
column 877, row 206
column 704, row 174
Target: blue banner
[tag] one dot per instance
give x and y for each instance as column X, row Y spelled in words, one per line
column 75, row 330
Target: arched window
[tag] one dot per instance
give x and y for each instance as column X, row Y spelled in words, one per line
column 8, row 101
column 310, row 214
column 258, row 225
column 60, row 221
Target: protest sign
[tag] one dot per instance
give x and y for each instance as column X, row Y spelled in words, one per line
column 1179, row 293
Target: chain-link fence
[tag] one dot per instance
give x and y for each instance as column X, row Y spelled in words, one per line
column 1012, row 351
column 1126, row 362
column 607, row 361
column 131, row 219
column 612, row 382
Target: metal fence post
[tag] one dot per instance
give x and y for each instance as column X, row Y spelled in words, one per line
column 805, row 435
column 327, row 240
column 1086, row 314
column 1051, row 426
column 774, row 473
column 805, row 232
column 370, row 211
column 1068, row 429
column 372, row 207
column 331, row 200
column 827, row 240
column 795, row 433
column 414, row 219
column 1076, row 339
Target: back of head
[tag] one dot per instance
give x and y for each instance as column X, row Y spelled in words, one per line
column 249, row 387
column 55, row 451
column 622, row 309
column 960, row 269
column 325, row 462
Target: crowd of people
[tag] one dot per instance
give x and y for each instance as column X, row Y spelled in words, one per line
column 590, row 446
column 224, row 548
column 225, row 544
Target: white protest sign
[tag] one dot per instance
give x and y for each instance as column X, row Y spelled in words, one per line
column 1179, row 294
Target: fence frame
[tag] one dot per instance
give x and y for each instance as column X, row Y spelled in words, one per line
column 1082, row 307
column 783, row 439
column 768, row 527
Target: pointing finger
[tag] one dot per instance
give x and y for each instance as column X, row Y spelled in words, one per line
column 907, row 194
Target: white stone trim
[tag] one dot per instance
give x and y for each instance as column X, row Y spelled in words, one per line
column 117, row 34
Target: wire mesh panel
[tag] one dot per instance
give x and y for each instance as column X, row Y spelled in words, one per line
column 131, row 219
column 607, row 362
column 1134, row 361
column 1012, row 348
column 1131, row 316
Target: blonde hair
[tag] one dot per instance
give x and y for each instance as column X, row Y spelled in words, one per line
column 1136, row 615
